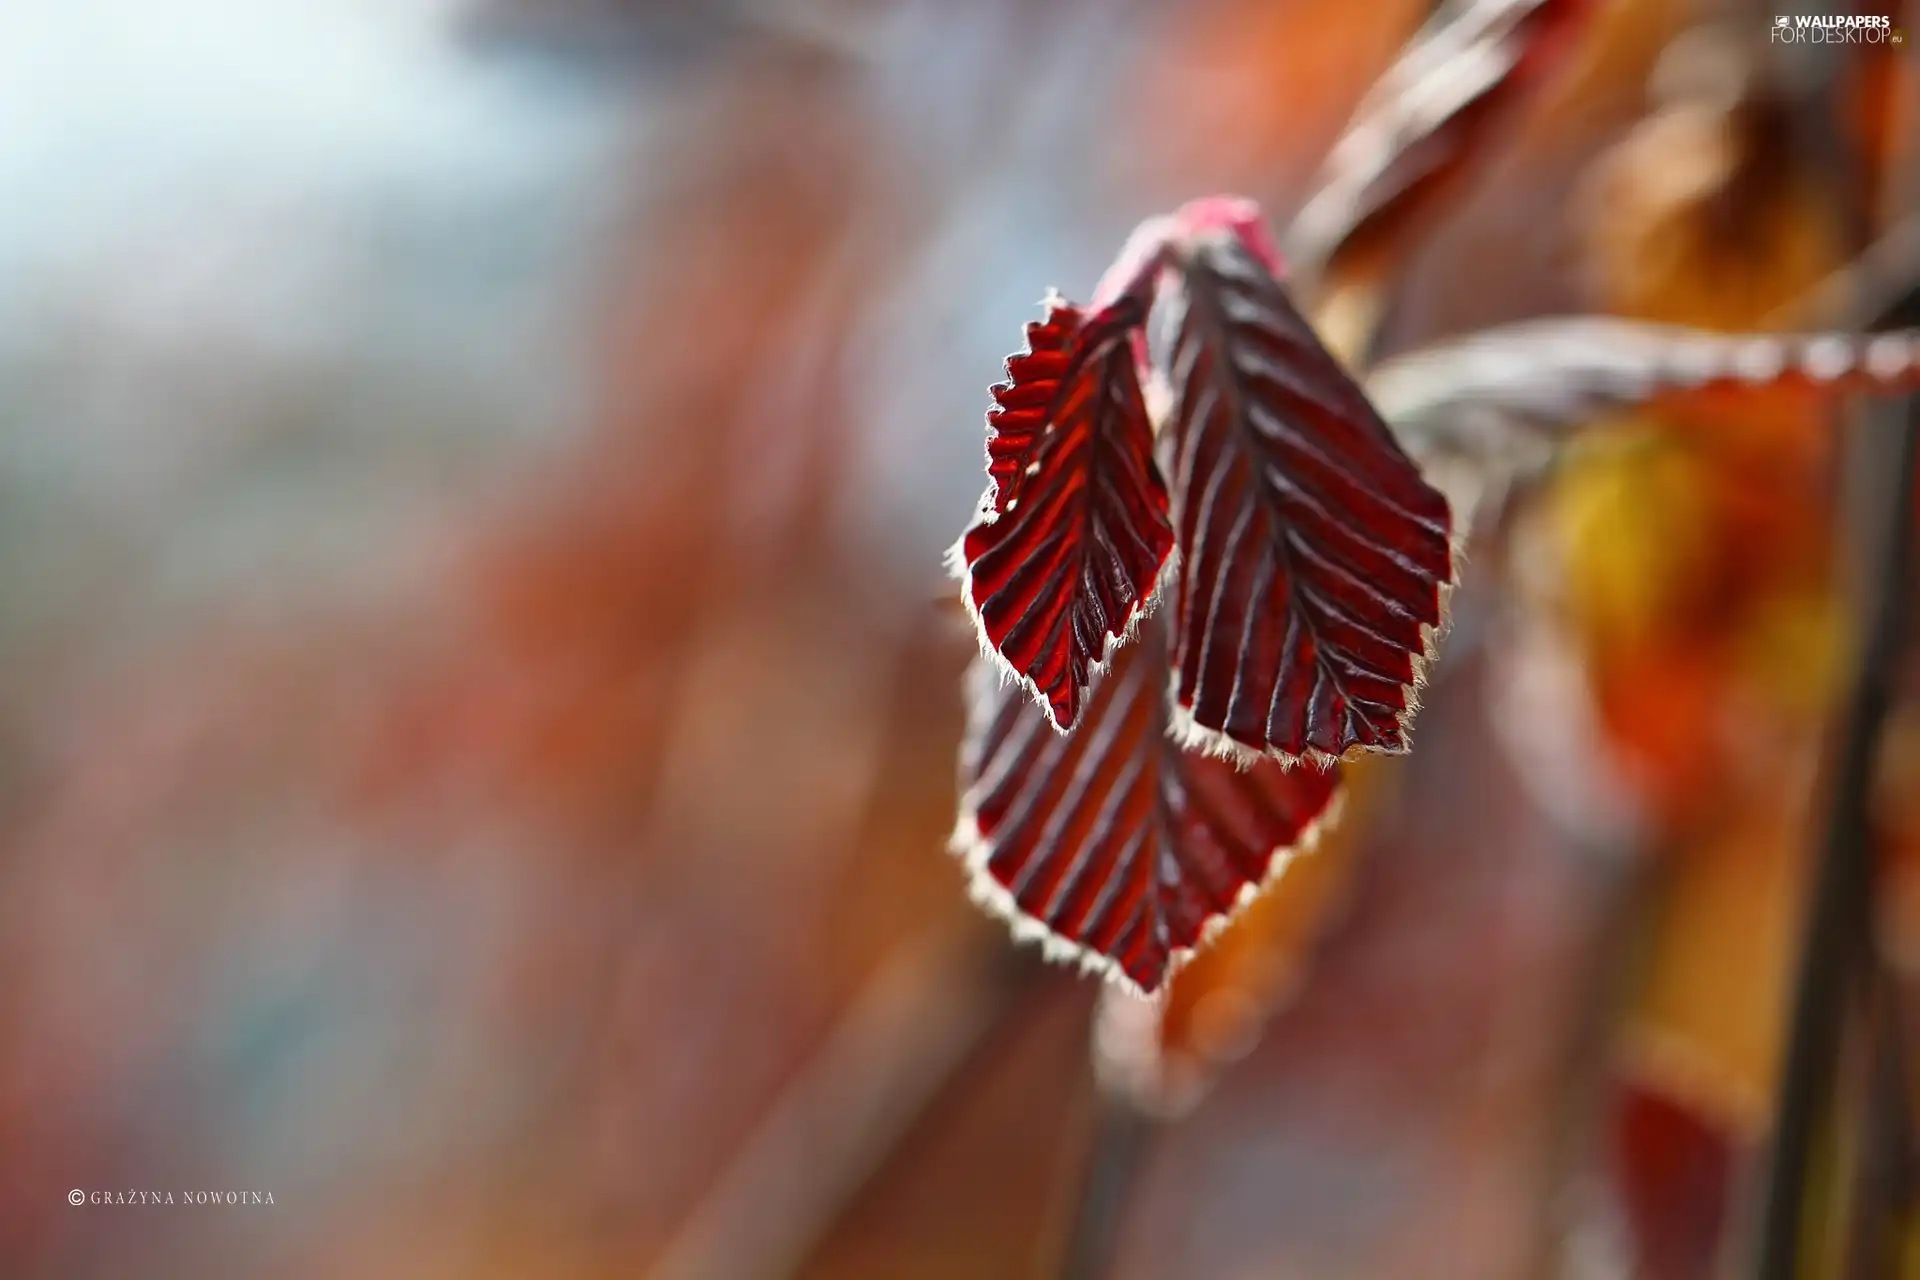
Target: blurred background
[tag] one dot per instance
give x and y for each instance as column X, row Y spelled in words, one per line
column 478, row 694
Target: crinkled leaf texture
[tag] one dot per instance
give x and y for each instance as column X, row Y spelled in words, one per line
column 1315, row 560
column 1072, row 533
column 1111, row 843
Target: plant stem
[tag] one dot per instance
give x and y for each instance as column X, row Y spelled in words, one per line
column 1119, row 1136
column 1885, row 1176
column 1837, row 947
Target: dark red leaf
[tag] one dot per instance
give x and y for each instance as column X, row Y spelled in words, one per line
column 1023, row 404
column 1672, row 1168
column 1110, row 842
column 1314, row 558
column 1070, row 539
column 1430, row 118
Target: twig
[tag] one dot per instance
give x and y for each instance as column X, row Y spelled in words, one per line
column 1120, row 1131
column 893, row 1051
column 1839, row 922
column 1885, row 1176
column 1870, row 284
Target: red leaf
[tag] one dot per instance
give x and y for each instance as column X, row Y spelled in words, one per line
column 1313, row 556
column 1672, row 1169
column 1430, row 119
column 1111, row 843
column 1071, row 537
column 1023, row 404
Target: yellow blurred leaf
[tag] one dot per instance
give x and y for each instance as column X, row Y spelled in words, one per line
column 1705, row 1023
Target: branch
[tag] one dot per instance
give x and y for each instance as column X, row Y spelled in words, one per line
column 1837, row 947
column 1119, row 1137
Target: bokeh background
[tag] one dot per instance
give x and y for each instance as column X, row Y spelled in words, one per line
column 478, row 694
